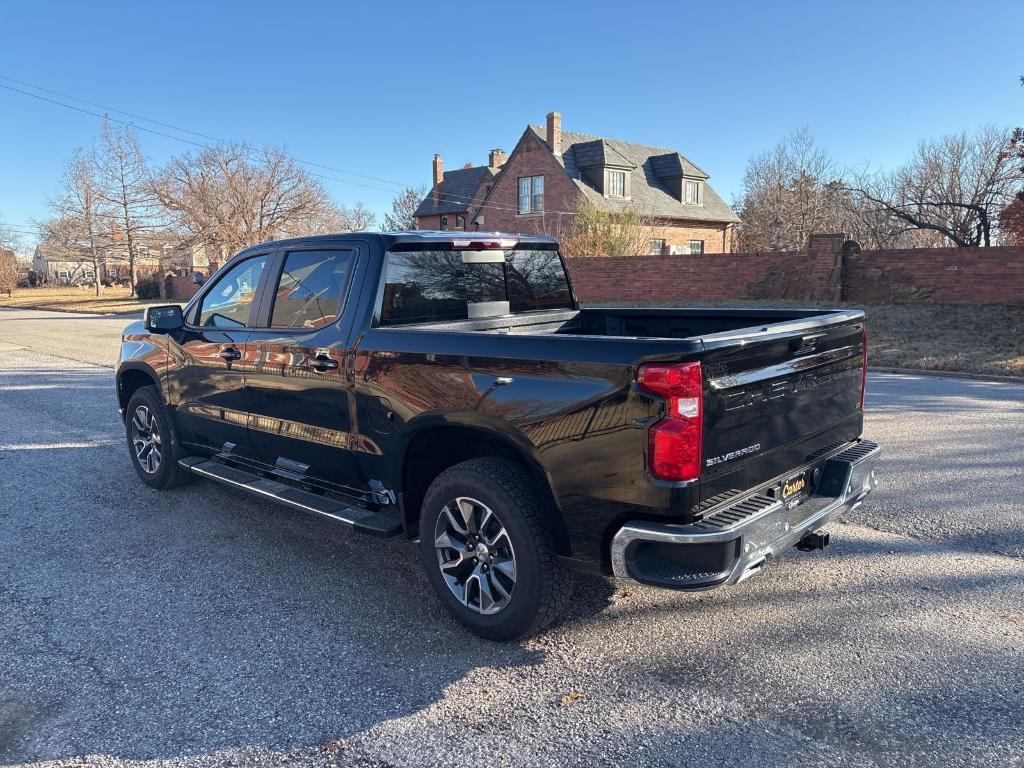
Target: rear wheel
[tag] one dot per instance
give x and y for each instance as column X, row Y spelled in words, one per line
column 488, row 551
column 151, row 440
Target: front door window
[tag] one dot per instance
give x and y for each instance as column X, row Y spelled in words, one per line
column 230, row 301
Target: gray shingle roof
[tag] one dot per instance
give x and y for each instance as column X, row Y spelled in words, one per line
column 457, row 189
column 651, row 166
column 673, row 165
column 588, row 154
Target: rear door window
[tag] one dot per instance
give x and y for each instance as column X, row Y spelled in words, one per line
column 311, row 289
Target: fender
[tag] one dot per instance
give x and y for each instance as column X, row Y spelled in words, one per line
column 478, row 421
column 144, row 352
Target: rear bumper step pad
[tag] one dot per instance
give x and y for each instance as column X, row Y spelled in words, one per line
column 733, row 543
column 361, row 520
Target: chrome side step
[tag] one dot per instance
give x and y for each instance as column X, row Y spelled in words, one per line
column 361, row 520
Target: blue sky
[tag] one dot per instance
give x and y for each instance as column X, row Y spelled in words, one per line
column 376, row 88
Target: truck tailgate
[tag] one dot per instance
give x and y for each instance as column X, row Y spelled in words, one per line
column 778, row 397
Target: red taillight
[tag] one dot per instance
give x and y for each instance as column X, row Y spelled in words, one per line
column 864, row 372
column 674, row 443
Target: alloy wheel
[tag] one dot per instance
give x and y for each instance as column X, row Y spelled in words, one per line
column 146, row 439
column 475, row 555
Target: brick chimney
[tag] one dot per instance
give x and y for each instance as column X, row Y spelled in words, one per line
column 438, row 178
column 555, row 132
column 496, row 158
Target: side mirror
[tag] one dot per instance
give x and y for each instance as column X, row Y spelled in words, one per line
column 163, row 318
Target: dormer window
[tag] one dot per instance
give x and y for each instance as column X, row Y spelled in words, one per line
column 616, row 184
column 692, row 193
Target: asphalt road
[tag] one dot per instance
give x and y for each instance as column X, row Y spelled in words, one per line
column 195, row 628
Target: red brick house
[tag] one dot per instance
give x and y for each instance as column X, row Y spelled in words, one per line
column 539, row 185
column 456, row 196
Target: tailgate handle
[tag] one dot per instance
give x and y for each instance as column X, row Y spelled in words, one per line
column 805, row 344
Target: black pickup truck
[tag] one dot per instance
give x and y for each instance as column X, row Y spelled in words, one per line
column 449, row 388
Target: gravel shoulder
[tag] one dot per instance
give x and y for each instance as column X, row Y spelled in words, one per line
column 197, row 628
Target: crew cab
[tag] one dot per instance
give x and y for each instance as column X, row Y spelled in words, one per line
column 449, row 388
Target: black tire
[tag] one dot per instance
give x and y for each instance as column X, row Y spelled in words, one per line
column 147, row 408
column 541, row 584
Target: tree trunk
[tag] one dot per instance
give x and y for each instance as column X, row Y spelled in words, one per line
column 161, row 278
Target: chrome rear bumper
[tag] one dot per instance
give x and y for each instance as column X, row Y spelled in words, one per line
column 733, row 543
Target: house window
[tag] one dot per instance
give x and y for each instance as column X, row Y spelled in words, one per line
column 142, row 252
column 63, row 274
column 691, row 192
column 616, row 183
column 696, row 246
column 531, row 194
column 444, row 223
column 90, row 275
column 460, row 222
column 657, row 246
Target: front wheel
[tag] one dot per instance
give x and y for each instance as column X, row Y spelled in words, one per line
column 151, row 440
column 488, row 551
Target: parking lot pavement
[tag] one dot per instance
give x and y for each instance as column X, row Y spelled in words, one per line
column 196, row 628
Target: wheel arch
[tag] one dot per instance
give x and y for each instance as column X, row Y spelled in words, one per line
column 435, row 444
column 131, row 378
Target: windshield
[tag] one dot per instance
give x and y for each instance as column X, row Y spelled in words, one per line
column 423, row 286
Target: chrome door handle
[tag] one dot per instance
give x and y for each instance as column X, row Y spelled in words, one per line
column 230, row 354
column 322, row 363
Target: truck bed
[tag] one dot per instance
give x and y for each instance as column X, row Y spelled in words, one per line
column 780, row 386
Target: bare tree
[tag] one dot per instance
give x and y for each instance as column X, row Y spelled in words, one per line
column 359, row 218
column 8, row 271
column 125, row 186
column 954, row 186
column 77, row 227
column 1011, row 218
column 9, row 239
column 231, row 196
column 592, row 231
column 403, row 207
column 789, row 192
column 333, row 218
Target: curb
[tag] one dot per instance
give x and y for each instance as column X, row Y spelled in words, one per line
column 40, row 308
column 948, row 374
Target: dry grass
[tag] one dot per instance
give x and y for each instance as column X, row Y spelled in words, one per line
column 75, row 299
column 985, row 339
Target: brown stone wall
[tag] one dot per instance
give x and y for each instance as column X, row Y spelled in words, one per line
column 705, row 277
column 941, row 275
column 975, row 275
column 181, row 288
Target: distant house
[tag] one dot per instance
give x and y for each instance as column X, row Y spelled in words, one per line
column 61, row 265
column 456, row 196
column 541, row 183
